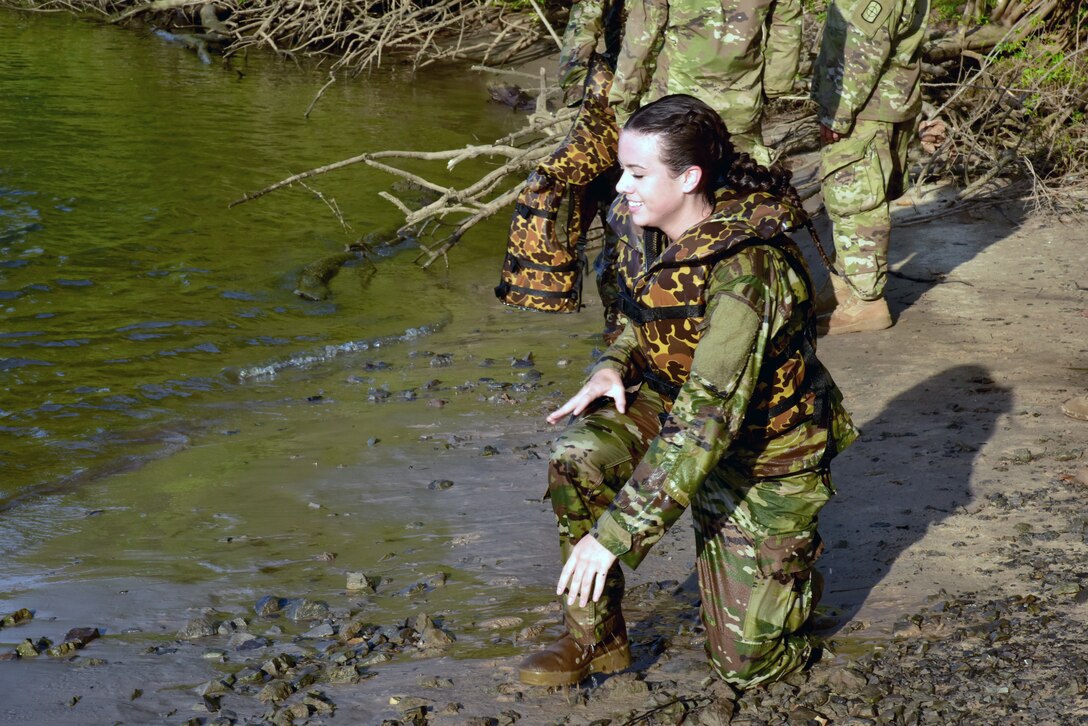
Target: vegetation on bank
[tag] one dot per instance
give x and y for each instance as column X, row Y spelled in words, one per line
column 1005, row 84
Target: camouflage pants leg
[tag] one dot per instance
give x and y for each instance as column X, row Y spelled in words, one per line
column 592, row 460
column 861, row 173
column 757, row 543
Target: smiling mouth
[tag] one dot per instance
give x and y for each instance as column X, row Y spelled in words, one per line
column 632, row 204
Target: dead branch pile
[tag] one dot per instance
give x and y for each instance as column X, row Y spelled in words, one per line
column 1019, row 111
column 353, row 35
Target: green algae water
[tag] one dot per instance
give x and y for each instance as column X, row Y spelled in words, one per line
column 178, row 429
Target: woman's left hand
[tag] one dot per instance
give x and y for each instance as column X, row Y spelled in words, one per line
column 583, row 574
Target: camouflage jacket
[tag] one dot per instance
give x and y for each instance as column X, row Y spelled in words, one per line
column 749, row 340
column 590, row 21
column 711, row 49
column 869, row 64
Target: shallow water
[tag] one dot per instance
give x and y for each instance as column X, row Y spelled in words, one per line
column 177, row 429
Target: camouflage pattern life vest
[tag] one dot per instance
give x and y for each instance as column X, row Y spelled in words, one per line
column 543, row 270
column 663, row 296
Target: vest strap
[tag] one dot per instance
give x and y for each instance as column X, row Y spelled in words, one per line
column 661, row 385
column 526, row 211
column 504, row 288
column 640, row 315
column 517, row 263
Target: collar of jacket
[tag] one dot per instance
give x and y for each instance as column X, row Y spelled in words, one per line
column 735, row 219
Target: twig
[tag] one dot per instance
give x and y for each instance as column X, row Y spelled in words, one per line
column 543, row 19
column 332, row 80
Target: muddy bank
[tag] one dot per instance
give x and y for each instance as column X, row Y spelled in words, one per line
column 955, row 544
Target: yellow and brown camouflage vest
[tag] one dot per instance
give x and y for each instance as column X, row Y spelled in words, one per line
column 543, row 270
column 663, row 296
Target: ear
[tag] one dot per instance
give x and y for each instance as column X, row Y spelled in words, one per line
column 691, row 178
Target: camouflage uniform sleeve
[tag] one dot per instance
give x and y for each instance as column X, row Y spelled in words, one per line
column 584, row 28
column 643, row 36
column 857, row 43
column 782, row 48
column 618, row 355
column 705, row 419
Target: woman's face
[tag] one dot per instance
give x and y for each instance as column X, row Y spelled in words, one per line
column 654, row 196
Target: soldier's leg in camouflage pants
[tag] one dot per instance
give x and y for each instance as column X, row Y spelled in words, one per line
column 592, row 460
column 861, row 173
column 757, row 543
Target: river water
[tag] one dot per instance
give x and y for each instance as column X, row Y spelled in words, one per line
column 177, row 429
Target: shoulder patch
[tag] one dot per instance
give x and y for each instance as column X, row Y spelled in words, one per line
column 870, row 16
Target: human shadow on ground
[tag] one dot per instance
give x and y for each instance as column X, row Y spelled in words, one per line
column 910, row 469
column 923, row 254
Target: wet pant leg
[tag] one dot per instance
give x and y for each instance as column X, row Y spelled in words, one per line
column 757, row 543
column 591, row 461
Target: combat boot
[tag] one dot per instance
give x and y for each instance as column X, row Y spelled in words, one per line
column 834, row 293
column 570, row 660
column 1076, row 407
column 856, row 316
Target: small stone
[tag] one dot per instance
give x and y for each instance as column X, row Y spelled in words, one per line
column 215, row 654
column 434, row 682
column 61, row 650
column 31, row 649
column 250, row 676
column 439, row 484
column 342, row 674
column 201, row 627
column 216, row 688
column 361, row 581
column 489, row 451
column 563, row 362
column 21, row 615
column 441, row 360
column 325, row 556
column 499, row 623
column 269, row 605
column 275, row 691
column 437, row 403
column 279, row 665
column 324, row 630
column 305, row 609
column 526, row 362
column 319, row 703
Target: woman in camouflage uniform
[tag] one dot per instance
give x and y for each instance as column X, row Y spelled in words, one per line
column 711, row 397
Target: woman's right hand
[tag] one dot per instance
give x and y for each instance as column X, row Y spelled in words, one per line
column 605, row 382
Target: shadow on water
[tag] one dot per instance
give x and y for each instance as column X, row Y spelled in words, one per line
column 901, row 478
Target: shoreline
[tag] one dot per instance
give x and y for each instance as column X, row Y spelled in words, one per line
column 953, row 541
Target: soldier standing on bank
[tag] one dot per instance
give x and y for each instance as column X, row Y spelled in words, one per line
column 866, row 82
column 718, row 51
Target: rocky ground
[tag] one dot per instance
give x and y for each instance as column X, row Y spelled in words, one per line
column 955, row 565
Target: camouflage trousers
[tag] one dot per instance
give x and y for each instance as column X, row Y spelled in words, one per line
column 756, row 542
column 861, row 173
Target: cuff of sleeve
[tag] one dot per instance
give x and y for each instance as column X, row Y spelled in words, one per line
column 608, row 362
column 840, row 126
column 611, row 534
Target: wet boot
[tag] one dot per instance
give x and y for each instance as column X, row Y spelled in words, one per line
column 832, row 294
column 1076, row 408
column 578, row 654
column 856, row 316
